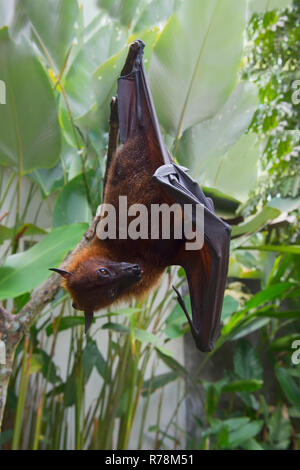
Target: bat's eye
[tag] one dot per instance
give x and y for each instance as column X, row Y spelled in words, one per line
column 103, row 272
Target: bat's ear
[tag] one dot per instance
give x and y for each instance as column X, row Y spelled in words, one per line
column 88, row 320
column 62, row 272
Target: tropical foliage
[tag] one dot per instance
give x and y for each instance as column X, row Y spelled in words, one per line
column 223, row 78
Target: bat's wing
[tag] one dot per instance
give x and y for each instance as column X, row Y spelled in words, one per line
column 132, row 112
column 206, row 269
column 137, row 115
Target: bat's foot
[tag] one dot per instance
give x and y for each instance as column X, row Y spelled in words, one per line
column 136, row 49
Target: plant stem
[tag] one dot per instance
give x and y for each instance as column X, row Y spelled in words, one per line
column 22, row 394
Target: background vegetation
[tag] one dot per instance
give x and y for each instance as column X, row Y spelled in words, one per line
column 222, row 78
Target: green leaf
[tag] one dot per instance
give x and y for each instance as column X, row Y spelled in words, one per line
column 101, row 367
column 230, row 305
column 231, row 424
column 26, row 230
column 64, row 323
column 6, row 12
column 55, row 30
column 246, row 361
column 157, row 12
column 123, row 11
column 244, row 433
column 105, row 77
column 285, row 342
column 20, row 301
column 225, row 205
column 92, row 357
column 247, row 327
column 171, row 363
column 240, row 159
column 69, row 390
column 251, row 444
column 249, row 400
column 48, row 180
column 145, row 337
column 288, row 204
column 127, row 312
column 36, row 363
column 280, row 430
column 234, row 424
column 272, row 292
column 295, row 249
column 187, row 59
column 72, row 205
column 176, row 319
column 117, row 327
column 23, row 272
column 48, row 368
column 256, row 222
column 289, row 386
column 164, row 351
column 243, row 386
column 29, row 135
column 6, row 436
column 159, row 381
column 123, row 403
column 212, row 395
column 177, row 316
column 104, row 43
column 246, row 259
column 218, row 134
column 292, row 314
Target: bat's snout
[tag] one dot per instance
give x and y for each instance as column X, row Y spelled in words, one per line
column 134, row 270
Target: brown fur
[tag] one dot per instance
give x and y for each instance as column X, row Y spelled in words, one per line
column 130, row 174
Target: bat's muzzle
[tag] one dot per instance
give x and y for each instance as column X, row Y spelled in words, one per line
column 134, row 270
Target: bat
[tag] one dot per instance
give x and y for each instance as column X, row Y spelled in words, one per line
column 115, row 269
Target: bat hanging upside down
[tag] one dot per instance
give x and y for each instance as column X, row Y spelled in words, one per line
column 115, row 269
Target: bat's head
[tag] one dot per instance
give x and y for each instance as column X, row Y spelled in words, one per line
column 95, row 283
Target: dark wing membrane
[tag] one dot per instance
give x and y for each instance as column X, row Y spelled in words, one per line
column 135, row 105
column 206, row 269
column 206, row 272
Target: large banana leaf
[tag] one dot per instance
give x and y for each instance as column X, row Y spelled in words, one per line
column 29, row 129
column 104, row 43
column 120, row 9
column 6, row 12
column 72, row 204
column 195, row 62
column 53, row 29
column 202, row 146
column 262, row 6
column 23, row 272
column 157, row 11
